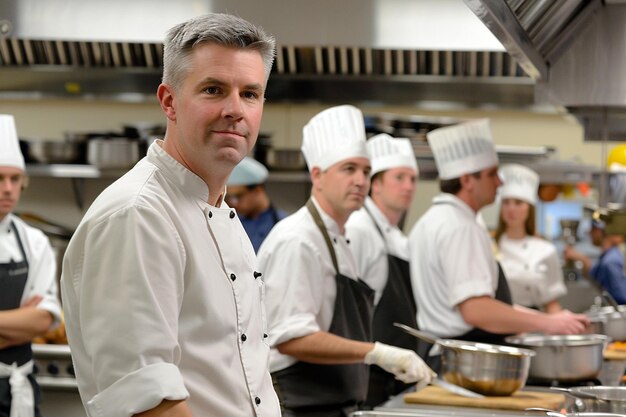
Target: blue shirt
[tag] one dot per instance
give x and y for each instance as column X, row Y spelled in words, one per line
column 609, row 271
column 259, row 227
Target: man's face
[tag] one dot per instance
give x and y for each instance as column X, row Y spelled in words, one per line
column 597, row 235
column 395, row 189
column 217, row 110
column 11, row 183
column 345, row 184
column 485, row 187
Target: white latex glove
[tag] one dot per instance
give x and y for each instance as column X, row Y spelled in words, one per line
column 405, row 364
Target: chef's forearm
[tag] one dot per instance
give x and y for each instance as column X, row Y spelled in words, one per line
column 22, row 324
column 325, row 348
column 495, row 316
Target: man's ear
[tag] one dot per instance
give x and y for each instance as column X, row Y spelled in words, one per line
column 165, row 94
column 316, row 174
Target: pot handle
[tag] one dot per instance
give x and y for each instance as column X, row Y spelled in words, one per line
column 417, row 333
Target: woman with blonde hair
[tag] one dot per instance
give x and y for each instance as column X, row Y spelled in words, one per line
column 530, row 263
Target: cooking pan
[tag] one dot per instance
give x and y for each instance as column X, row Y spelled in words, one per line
column 565, row 358
column 480, row 367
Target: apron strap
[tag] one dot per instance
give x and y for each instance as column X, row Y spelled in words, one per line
column 320, row 225
column 380, row 232
column 19, row 242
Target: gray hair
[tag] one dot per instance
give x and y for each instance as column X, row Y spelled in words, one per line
column 221, row 29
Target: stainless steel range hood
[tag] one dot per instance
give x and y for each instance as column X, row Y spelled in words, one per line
column 574, row 49
column 390, row 51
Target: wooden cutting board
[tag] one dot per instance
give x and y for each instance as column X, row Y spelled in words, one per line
column 520, row 400
column 617, row 355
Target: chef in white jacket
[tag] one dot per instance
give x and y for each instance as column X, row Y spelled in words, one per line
column 460, row 291
column 161, row 290
column 319, row 311
column 530, row 263
column 29, row 305
column 382, row 252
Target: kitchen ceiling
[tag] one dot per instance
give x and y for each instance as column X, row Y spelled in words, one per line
column 574, row 49
column 392, row 51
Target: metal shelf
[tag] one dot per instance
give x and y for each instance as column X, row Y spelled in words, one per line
column 71, row 171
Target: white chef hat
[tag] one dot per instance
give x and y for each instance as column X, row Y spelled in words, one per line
column 333, row 135
column 10, row 153
column 464, row 148
column 387, row 152
column 248, row 172
column 519, row 182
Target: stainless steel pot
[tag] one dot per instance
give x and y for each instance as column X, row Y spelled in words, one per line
column 609, row 322
column 565, row 357
column 112, row 152
column 55, row 151
column 480, row 367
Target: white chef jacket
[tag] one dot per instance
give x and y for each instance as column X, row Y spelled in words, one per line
column 41, row 263
column 451, row 261
column 162, row 302
column 300, row 279
column 532, row 269
column 370, row 249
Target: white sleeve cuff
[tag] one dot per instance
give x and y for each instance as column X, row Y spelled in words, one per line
column 53, row 308
column 139, row 391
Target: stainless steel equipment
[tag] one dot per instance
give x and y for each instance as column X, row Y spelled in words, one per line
column 564, row 357
column 55, row 374
column 55, row 151
column 569, row 230
column 112, row 152
column 480, row 367
column 601, row 399
column 609, row 322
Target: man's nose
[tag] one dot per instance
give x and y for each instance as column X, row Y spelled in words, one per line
column 232, row 106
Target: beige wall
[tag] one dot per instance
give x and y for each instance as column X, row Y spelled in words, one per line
column 54, row 198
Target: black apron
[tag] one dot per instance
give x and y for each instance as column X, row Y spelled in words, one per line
column 396, row 304
column 13, row 276
column 503, row 293
column 314, row 390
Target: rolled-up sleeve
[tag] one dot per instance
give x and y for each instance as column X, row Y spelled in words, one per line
column 156, row 382
column 130, row 295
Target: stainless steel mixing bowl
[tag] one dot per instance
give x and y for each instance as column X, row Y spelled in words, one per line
column 485, row 368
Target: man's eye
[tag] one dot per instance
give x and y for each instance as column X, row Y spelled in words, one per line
column 252, row 95
column 212, row 90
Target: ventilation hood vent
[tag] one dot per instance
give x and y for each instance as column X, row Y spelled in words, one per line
column 574, row 49
column 401, row 52
column 300, row 73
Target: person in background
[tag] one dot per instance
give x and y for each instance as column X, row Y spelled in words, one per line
column 608, row 270
column 164, row 307
column 459, row 290
column 382, row 252
column 530, row 263
column 319, row 313
column 29, row 305
column 246, row 194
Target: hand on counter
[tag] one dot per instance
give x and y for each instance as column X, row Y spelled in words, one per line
column 403, row 363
